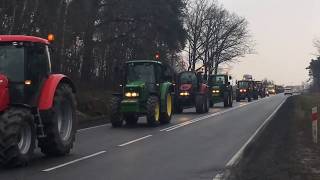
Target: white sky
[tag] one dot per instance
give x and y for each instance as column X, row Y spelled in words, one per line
column 284, row 31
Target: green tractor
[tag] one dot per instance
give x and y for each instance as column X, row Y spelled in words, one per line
column 221, row 90
column 147, row 91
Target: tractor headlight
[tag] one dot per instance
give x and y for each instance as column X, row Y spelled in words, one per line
column 215, row 91
column 184, row 94
column 131, row 94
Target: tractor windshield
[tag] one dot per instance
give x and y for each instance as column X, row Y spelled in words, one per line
column 243, row 84
column 141, row 72
column 188, row 78
column 12, row 62
column 218, row 80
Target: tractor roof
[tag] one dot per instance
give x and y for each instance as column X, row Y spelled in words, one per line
column 144, row 61
column 22, row 38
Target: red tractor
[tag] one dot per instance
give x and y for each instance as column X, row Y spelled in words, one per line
column 191, row 92
column 34, row 103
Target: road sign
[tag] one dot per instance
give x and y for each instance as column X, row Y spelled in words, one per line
column 314, row 116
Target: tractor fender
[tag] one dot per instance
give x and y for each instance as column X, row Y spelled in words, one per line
column 49, row 88
column 165, row 88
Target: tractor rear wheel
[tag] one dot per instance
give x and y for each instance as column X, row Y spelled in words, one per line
column 60, row 123
column 116, row 116
column 153, row 111
column 200, row 103
column 165, row 117
column 17, row 137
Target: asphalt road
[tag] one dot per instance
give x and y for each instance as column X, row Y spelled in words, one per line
column 191, row 147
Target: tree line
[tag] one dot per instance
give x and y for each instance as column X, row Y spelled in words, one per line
column 314, row 69
column 94, row 38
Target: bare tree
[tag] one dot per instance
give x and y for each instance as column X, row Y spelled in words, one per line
column 215, row 36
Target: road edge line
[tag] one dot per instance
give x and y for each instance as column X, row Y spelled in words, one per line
column 238, row 155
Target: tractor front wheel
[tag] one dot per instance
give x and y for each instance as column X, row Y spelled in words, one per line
column 17, row 137
column 200, row 104
column 60, row 123
column 166, row 115
column 116, row 116
column 153, row 111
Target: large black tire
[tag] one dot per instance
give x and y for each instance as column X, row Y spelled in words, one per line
column 231, row 101
column 200, row 104
column 165, row 116
column 178, row 109
column 226, row 100
column 17, row 137
column 207, row 104
column 116, row 116
column 60, row 123
column 131, row 119
column 211, row 104
column 153, row 111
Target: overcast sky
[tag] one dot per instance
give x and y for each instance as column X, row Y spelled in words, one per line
column 284, row 31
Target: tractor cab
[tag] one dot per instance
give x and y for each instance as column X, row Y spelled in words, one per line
column 26, row 65
column 188, row 82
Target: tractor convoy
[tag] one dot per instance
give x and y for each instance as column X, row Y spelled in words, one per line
column 38, row 108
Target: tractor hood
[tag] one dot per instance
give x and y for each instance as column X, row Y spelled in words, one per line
column 135, row 85
column 185, row 87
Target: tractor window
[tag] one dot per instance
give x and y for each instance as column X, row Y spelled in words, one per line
column 12, row 62
column 141, row 72
column 37, row 65
column 188, row 78
column 243, row 84
column 218, row 80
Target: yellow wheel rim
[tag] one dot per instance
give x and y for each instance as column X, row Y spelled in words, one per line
column 169, row 104
column 157, row 112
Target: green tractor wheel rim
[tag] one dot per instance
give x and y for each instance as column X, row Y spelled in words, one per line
column 169, row 104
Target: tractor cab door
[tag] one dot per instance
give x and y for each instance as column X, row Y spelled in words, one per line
column 37, row 71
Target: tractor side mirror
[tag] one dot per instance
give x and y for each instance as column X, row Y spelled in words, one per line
column 230, row 77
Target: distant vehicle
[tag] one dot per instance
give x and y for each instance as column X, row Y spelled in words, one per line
column 288, row 91
column 221, row 90
column 191, row 92
column 261, row 89
column 244, row 90
column 271, row 90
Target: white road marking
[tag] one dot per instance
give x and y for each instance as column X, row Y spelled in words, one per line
column 133, row 141
column 93, row 127
column 168, row 129
column 74, row 161
column 218, row 176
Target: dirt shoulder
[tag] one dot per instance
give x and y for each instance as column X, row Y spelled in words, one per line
column 284, row 150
